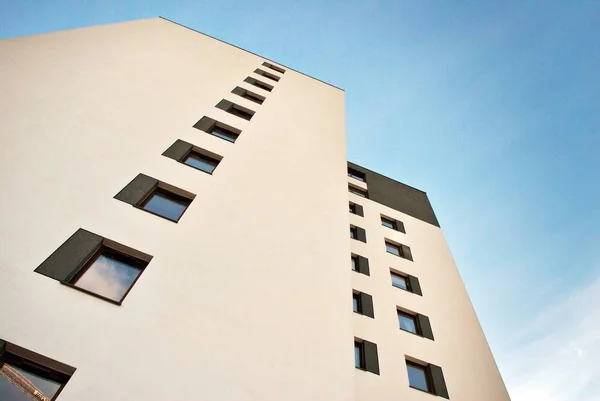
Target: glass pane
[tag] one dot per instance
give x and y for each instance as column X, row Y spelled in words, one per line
column 352, row 232
column 353, row 264
column 399, row 281
column 161, row 204
column 387, row 223
column 108, row 277
column 407, row 323
column 201, row 162
column 355, row 302
column 417, row 377
column 391, row 248
column 29, row 384
column 224, row 134
column 357, row 192
column 357, row 355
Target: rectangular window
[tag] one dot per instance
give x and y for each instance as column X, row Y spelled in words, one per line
column 357, row 175
column 25, row 375
column 418, row 377
column 393, row 249
column 353, row 232
column 246, row 94
column 354, row 262
column 218, row 129
column 201, row 162
column 357, row 191
column 259, row 84
column 400, row 250
column 356, row 209
column 352, row 208
column 360, row 264
column 109, row 274
column 399, row 281
column 95, row 265
column 356, row 303
column 235, row 109
column 407, row 322
column 267, row 74
column 363, row 303
column 274, row 67
column 193, row 156
column 388, row 223
column 365, row 356
column 359, row 357
column 164, row 203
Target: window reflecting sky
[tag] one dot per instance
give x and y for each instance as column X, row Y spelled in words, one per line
column 8, row 392
column 165, row 207
column 407, row 323
column 416, row 377
column 108, row 277
column 200, row 162
column 399, row 282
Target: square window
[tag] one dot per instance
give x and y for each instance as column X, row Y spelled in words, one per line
column 399, row 281
column 393, row 249
column 356, row 302
column 407, row 322
column 224, row 133
column 358, row 191
column 359, row 355
column 418, row 376
column 201, row 162
column 388, row 223
column 25, row 375
column 353, row 232
column 354, row 261
column 109, row 274
column 357, row 175
column 165, row 204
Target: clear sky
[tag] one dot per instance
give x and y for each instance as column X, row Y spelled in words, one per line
column 491, row 107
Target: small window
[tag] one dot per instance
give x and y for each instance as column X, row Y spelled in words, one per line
column 246, row 94
column 223, row 133
column 235, row 109
column 357, row 175
column 356, row 303
column 274, row 67
column 354, row 263
column 259, row 84
column 352, row 208
column 25, row 375
column 356, row 209
column 109, row 274
column 201, row 162
column 393, row 248
column 359, row 355
column 399, row 281
column 407, row 322
column 267, row 74
column 360, row 264
column 353, row 232
column 388, row 223
column 358, row 191
column 418, row 377
column 217, row 129
column 164, row 203
column 400, row 250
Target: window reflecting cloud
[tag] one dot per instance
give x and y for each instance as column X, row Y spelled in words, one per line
column 108, row 277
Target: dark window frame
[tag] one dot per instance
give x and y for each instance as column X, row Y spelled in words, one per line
column 124, row 257
column 405, row 278
column 392, row 223
column 414, row 319
column 32, row 362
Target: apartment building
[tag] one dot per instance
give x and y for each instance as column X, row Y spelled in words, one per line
column 174, row 226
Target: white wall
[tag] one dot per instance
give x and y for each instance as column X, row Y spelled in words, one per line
column 460, row 348
column 247, row 297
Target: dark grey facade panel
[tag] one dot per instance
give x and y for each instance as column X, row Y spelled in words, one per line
column 439, row 384
column 178, row 150
column 66, row 261
column 371, row 358
column 359, row 210
column 137, row 190
column 400, row 227
column 361, row 234
column 239, row 91
column 363, row 265
column 366, row 304
column 398, row 196
column 415, row 287
column 224, row 105
column 425, row 326
column 205, row 124
column 406, row 253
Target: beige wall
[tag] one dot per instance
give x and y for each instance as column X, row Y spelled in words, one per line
column 247, row 297
column 460, row 348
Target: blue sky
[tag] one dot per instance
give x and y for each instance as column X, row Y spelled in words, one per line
column 491, row 107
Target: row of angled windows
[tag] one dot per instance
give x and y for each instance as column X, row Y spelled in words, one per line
column 93, row 264
column 421, row 376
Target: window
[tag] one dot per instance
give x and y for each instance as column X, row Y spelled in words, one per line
column 354, row 262
column 407, row 322
column 357, row 175
column 393, row 224
column 399, row 281
column 400, row 250
column 356, row 302
column 356, row 209
column 273, row 67
column 259, row 84
column 217, row 129
column 95, row 265
column 235, row 109
column 427, row 377
column 156, row 197
column 358, row 191
column 193, row 156
column 353, row 232
column 418, row 377
column 109, row 274
column 360, row 264
column 246, row 94
column 267, row 74
column 365, row 356
column 358, row 234
column 25, row 375
column 359, row 357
